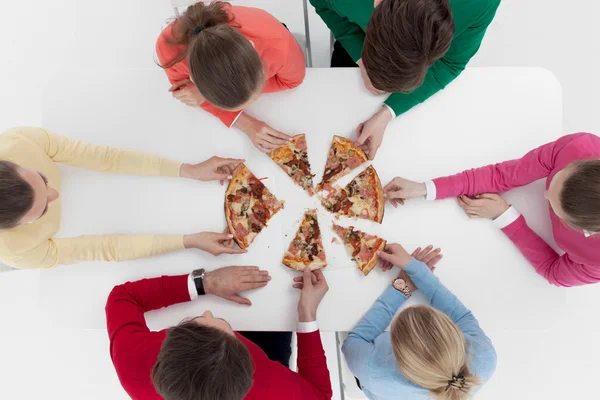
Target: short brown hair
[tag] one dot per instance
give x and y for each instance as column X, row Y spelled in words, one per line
column 580, row 195
column 403, row 39
column 432, row 352
column 223, row 64
column 16, row 195
column 198, row 362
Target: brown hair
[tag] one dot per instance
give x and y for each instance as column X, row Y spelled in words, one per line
column 403, row 39
column 431, row 351
column 223, row 64
column 199, row 362
column 580, row 195
column 16, row 195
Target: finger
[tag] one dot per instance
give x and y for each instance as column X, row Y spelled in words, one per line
column 319, row 275
column 276, row 141
column 433, row 262
column 433, row 254
column 386, row 257
column 424, row 252
column 222, row 176
column 279, row 134
column 394, row 202
column 256, row 278
column 298, row 286
column 299, row 279
column 308, row 277
column 489, row 196
column 416, row 252
column 359, row 129
column 395, row 194
column 226, row 162
column 260, row 147
column 252, row 285
column 362, row 138
column 179, row 84
column 401, row 201
column 373, row 150
column 238, row 299
column 267, row 145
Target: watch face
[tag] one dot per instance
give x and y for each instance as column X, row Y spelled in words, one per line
column 197, row 273
column 399, row 284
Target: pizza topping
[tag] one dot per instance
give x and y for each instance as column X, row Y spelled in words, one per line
column 261, row 213
column 301, row 144
column 331, row 172
column 353, row 162
column 256, row 187
column 365, row 253
column 240, row 230
column 321, row 256
column 364, row 213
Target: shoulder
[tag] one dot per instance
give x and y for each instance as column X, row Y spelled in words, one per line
column 257, row 24
column 483, row 356
column 165, row 50
column 472, row 13
column 578, row 146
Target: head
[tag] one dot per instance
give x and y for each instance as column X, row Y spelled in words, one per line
column 203, row 359
column 403, row 39
column 431, row 352
column 25, row 195
column 223, row 64
column 574, row 195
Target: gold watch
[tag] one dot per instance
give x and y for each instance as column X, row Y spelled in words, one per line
column 400, row 285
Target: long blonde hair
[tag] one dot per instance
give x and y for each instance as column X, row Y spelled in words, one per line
column 431, row 351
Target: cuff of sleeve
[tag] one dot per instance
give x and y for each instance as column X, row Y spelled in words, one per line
column 391, row 110
column 170, row 168
column 431, row 190
column 307, row 327
column 415, row 266
column 508, row 217
column 235, row 119
column 192, row 288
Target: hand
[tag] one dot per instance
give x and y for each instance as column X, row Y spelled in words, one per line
column 314, row 287
column 263, row 137
column 186, row 92
column 369, row 134
column 366, row 80
column 227, row 282
column 400, row 189
column 212, row 242
column 487, row 205
column 395, row 254
column 428, row 256
column 215, row 168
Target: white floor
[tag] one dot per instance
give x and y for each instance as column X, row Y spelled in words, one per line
column 39, row 36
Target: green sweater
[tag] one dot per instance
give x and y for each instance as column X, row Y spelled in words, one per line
column 348, row 20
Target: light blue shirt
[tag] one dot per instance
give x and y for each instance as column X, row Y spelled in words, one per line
column 368, row 349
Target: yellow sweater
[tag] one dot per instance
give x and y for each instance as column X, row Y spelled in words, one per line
column 33, row 245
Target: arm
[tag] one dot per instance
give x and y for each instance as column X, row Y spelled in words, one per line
column 501, row 177
column 360, row 342
column 349, row 34
column 312, row 365
column 558, row 270
column 99, row 158
column 464, row 46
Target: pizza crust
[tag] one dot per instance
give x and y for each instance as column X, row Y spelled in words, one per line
column 239, row 175
column 300, row 266
column 373, row 261
column 380, row 198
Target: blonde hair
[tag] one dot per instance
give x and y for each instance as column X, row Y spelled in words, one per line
column 431, row 351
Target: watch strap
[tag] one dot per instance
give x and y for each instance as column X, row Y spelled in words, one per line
column 199, row 282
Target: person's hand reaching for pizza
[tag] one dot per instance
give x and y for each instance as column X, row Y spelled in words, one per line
column 400, row 190
column 314, row 287
column 186, row 92
column 369, row 134
column 263, row 137
column 215, row 168
column 228, row 282
column 213, row 243
column 395, row 255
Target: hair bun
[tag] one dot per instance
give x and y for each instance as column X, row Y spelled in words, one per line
column 457, row 382
column 198, row 29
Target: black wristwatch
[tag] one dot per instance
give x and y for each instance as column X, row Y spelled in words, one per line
column 198, row 277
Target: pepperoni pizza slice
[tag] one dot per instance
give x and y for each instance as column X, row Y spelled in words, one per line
column 361, row 198
column 293, row 159
column 306, row 250
column 344, row 156
column 361, row 246
column 249, row 205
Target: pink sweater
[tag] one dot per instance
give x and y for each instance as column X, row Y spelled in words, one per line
column 580, row 264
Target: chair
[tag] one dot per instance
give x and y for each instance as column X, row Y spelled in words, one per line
column 178, row 4
column 350, row 390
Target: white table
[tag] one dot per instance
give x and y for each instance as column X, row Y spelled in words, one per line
column 485, row 116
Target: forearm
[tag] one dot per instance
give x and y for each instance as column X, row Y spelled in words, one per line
column 115, row 247
column 312, row 363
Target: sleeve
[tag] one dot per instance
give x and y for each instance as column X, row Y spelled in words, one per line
column 349, row 34
column 292, row 69
column 558, row 270
column 504, row 176
column 312, row 364
column 464, row 46
column 99, row 158
column 359, row 345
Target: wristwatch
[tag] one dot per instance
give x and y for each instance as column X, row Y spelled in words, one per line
column 400, row 285
column 198, row 277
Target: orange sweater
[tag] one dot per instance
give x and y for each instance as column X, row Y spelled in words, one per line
column 282, row 56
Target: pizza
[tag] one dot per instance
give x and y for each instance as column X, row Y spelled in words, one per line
column 306, row 250
column 361, row 198
column 293, row 159
column 361, row 246
column 249, row 205
column 344, row 156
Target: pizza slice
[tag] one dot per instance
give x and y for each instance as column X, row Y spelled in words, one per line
column 249, row 206
column 361, row 198
column 293, row 159
column 306, row 250
column 344, row 156
column 361, row 246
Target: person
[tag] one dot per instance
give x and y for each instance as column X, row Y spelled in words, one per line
column 571, row 166
column 203, row 357
column 439, row 352
column 30, row 206
column 409, row 48
column 221, row 57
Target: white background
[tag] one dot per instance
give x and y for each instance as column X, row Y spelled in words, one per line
column 38, row 36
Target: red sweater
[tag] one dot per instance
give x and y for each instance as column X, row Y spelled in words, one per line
column 580, row 264
column 280, row 53
column 134, row 348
